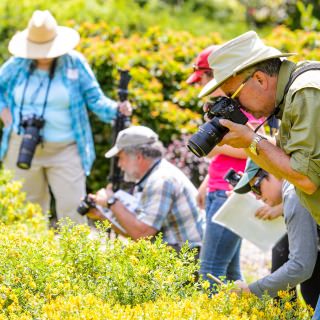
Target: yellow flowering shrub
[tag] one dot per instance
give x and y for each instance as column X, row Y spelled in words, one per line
column 160, row 62
column 69, row 274
column 13, row 207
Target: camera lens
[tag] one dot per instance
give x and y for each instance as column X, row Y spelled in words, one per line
column 83, row 208
column 28, row 146
column 86, row 204
column 207, row 137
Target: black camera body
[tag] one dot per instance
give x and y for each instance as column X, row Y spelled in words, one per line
column 85, row 205
column 31, row 138
column 232, row 177
column 212, row 132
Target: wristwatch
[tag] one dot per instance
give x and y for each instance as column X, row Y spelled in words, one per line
column 111, row 201
column 254, row 144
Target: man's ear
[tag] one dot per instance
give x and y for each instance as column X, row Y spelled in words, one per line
column 262, row 79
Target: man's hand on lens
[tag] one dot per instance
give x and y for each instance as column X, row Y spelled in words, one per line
column 125, row 108
column 239, row 136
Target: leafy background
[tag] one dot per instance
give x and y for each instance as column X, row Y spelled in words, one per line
column 158, row 40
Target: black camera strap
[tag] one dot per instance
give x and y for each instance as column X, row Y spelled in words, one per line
column 293, row 77
column 31, row 70
column 146, row 175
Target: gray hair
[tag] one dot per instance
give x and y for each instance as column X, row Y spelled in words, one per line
column 149, row 150
column 271, row 67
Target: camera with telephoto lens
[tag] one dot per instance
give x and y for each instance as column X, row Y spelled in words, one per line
column 232, row 177
column 85, row 205
column 212, row 132
column 31, row 138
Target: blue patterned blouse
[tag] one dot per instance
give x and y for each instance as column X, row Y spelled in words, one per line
column 84, row 91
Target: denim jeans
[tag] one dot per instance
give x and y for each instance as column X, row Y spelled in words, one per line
column 316, row 315
column 220, row 252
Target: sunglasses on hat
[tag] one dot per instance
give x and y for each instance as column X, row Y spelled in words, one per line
column 256, row 186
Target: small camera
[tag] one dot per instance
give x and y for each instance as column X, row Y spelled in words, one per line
column 232, row 177
column 31, row 138
column 212, row 132
column 85, row 205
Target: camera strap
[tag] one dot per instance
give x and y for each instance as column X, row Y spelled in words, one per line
column 294, row 75
column 31, row 70
column 147, row 174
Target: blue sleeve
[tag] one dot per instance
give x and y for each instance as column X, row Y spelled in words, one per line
column 95, row 99
column 7, row 72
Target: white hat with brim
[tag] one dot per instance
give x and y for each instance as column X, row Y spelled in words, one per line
column 132, row 137
column 43, row 38
column 237, row 55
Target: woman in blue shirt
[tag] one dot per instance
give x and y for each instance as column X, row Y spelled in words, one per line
column 49, row 85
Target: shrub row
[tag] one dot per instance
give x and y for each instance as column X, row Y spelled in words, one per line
column 72, row 274
column 160, row 62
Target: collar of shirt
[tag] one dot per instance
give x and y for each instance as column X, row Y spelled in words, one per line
column 286, row 69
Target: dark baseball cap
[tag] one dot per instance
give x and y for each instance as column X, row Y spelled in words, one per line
column 243, row 186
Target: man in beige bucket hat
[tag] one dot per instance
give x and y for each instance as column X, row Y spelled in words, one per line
column 46, row 88
column 253, row 73
column 266, row 84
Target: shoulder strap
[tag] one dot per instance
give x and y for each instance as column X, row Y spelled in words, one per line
column 295, row 74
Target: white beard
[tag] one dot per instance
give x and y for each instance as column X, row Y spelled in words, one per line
column 129, row 177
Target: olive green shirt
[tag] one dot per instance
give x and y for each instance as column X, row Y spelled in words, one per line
column 299, row 134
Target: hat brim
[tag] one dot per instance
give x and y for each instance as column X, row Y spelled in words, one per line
column 112, row 152
column 214, row 84
column 195, row 77
column 243, row 186
column 65, row 40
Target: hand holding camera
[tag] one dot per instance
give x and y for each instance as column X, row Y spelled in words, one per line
column 92, row 202
column 102, row 196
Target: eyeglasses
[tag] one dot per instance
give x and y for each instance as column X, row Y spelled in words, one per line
column 240, row 87
column 256, row 186
column 196, row 68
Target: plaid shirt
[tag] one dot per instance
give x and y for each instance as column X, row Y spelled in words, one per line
column 168, row 204
column 84, row 91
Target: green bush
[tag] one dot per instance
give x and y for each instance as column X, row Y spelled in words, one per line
column 74, row 274
column 159, row 63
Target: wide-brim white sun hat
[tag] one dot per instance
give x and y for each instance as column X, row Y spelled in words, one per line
column 236, row 55
column 43, row 38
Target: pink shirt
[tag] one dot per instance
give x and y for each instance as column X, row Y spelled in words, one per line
column 220, row 164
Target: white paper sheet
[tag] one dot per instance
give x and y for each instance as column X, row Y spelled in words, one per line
column 238, row 215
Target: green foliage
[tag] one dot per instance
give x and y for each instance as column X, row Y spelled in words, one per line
column 159, row 63
column 13, row 207
column 159, row 59
column 75, row 274
column 307, row 19
column 198, row 17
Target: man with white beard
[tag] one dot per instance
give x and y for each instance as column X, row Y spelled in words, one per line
column 166, row 197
